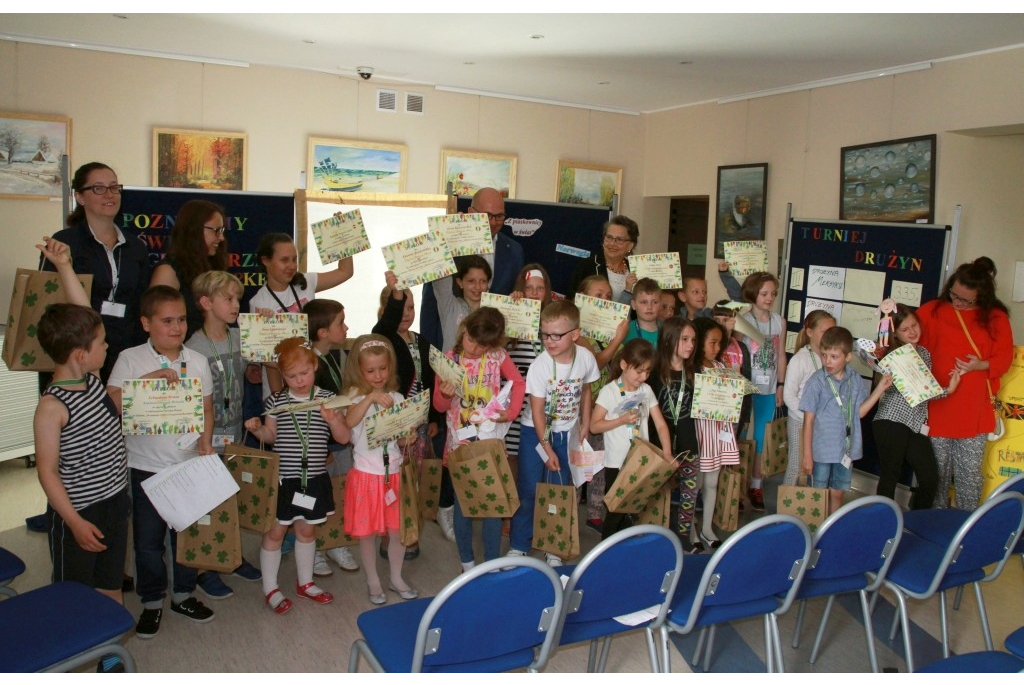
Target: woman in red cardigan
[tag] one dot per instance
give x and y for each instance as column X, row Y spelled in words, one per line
column 968, row 329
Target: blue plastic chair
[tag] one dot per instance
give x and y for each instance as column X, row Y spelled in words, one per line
column 635, row 569
column 11, row 566
column 61, row 626
column 487, row 620
column 1015, row 642
column 756, row 572
column 856, row 540
column 921, row 568
column 977, row 662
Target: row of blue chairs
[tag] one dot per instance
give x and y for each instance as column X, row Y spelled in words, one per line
column 513, row 613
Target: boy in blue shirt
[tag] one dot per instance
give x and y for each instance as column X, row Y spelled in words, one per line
column 835, row 399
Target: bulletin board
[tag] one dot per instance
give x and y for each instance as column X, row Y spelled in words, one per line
column 847, row 268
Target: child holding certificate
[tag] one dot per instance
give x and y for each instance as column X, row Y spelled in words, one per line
column 621, row 413
column 163, row 356
column 835, row 400
column 480, row 350
column 373, row 485
column 716, row 439
column 672, row 383
column 901, row 431
column 304, row 497
column 802, row 364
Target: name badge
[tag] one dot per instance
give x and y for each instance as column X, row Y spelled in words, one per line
column 761, row 378
column 186, row 441
column 109, row 308
column 221, row 440
column 925, row 430
column 846, row 462
column 303, row 501
column 390, row 497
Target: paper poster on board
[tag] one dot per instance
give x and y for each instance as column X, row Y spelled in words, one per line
column 826, row 282
column 833, row 308
column 864, row 287
column 796, row 278
column 861, row 321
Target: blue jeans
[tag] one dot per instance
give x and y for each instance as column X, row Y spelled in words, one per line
column 531, row 472
column 464, row 536
column 149, row 532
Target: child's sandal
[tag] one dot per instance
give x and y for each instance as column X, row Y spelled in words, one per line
column 283, row 606
column 323, row 597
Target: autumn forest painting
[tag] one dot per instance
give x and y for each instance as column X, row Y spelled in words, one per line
column 210, row 160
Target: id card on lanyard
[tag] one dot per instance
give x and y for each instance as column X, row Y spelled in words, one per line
column 300, row 498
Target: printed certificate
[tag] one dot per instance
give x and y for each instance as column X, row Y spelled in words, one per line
column 663, row 267
column 418, row 260
column 522, row 318
column 910, row 375
column 600, row 318
column 447, row 370
column 340, row 236
column 399, row 420
column 746, row 257
column 717, row 398
column 335, row 402
column 465, row 234
column 260, row 334
column 748, row 386
column 156, row 406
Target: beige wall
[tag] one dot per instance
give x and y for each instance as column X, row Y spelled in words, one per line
column 116, row 100
column 800, row 135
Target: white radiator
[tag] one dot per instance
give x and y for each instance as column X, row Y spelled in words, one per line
column 19, row 394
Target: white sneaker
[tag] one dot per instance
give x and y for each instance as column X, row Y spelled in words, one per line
column 320, row 567
column 466, row 565
column 446, row 519
column 552, row 559
column 512, row 552
column 343, row 558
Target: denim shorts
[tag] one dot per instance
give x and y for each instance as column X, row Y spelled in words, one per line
column 831, row 476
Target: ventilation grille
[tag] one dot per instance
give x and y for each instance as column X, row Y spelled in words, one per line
column 387, row 101
column 413, row 103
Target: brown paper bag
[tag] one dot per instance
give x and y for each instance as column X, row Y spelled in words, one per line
column 482, row 479
column 430, row 488
column 331, row 533
column 776, row 447
column 727, row 503
column 555, row 520
column 642, row 475
column 748, row 449
column 409, row 504
column 33, row 292
column 256, row 472
column 213, row 543
column 809, row 504
column 658, row 508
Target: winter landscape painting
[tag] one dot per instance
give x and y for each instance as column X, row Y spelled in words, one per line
column 31, row 146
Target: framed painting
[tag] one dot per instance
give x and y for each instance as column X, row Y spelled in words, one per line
column 348, row 166
column 468, row 172
column 742, row 189
column 31, row 146
column 889, row 181
column 579, row 183
column 209, row 160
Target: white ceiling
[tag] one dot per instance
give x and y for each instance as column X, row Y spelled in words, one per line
column 628, row 62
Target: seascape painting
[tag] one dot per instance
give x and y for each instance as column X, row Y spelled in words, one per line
column 31, row 146
column 468, row 172
column 349, row 166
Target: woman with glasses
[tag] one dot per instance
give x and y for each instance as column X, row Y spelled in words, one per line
column 620, row 237
column 197, row 245
column 967, row 329
column 117, row 258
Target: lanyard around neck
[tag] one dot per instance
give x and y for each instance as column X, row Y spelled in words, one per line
column 295, row 296
column 227, row 370
column 304, row 439
column 846, row 406
column 552, row 403
column 165, row 363
column 335, row 371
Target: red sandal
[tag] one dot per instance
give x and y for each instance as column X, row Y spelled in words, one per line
column 323, row 598
column 283, row 606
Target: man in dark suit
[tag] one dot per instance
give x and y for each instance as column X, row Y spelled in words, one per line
column 506, row 261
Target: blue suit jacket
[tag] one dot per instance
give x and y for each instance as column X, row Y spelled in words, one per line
column 508, row 262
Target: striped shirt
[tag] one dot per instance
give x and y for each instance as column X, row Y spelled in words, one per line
column 312, row 427
column 93, row 462
column 522, row 352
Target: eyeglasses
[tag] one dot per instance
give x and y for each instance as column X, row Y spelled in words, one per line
column 490, row 217
column 616, row 239
column 556, row 336
column 103, row 190
column 216, row 231
column 956, row 299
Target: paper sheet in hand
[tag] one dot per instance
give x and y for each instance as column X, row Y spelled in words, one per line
column 584, row 462
column 911, row 375
column 313, row 405
column 419, row 259
column 398, row 420
column 448, row 370
column 260, row 334
column 340, row 236
column 716, row 398
column 185, row 492
column 599, row 318
column 744, row 327
column 157, row 406
column 663, row 267
column 466, row 234
column 522, row 318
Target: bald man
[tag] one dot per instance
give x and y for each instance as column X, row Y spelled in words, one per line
column 506, row 261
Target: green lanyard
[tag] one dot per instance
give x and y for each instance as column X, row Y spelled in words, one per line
column 814, row 358
column 226, row 371
column 335, row 371
column 387, row 459
column 677, row 408
column 304, row 439
column 846, row 407
column 634, row 427
column 552, row 403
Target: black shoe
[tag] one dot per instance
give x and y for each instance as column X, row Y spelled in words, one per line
column 128, row 584
column 193, row 609
column 37, row 523
column 412, row 552
column 148, row 623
